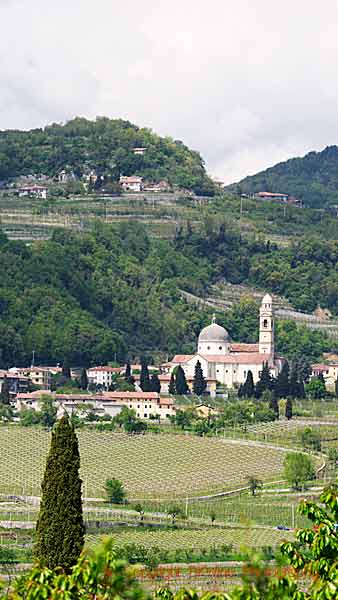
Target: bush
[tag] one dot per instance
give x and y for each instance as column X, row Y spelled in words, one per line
column 115, row 491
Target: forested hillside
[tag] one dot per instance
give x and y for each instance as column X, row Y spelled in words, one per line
column 114, row 293
column 312, row 178
column 104, row 145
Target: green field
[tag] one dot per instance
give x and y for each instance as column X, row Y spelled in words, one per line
column 150, row 466
column 199, row 539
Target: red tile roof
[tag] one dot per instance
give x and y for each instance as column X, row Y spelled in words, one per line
column 244, row 347
column 179, row 358
column 105, row 369
column 243, row 358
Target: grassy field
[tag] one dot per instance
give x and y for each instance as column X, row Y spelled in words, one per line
column 180, row 539
column 150, row 466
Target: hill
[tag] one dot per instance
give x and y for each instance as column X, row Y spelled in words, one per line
column 312, row 178
column 104, row 145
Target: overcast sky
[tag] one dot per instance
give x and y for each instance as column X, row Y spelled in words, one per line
column 248, row 83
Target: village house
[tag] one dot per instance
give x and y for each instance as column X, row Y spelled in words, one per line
column 38, row 376
column 227, row 362
column 103, row 376
column 131, row 184
column 139, row 151
column 147, row 405
column 17, row 383
column 329, row 373
column 37, row 191
column 272, row 196
column 160, row 186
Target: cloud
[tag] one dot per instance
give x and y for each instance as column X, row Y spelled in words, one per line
column 246, row 83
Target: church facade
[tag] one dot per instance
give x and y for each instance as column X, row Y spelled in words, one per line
column 228, row 362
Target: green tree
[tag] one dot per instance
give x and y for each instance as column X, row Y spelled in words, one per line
column 60, row 528
column 48, row 411
column 155, row 383
column 311, row 439
column 282, row 385
column 115, row 491
column 288, row 409
column 174, row 511
column 172, row 385
column 140, row 509
column 5, row 395
column 181, row 382
column 84, row 379
column 255, row 485
column 264, row 382
column 199, row 384
column 66, row 373
column 273, row 405
column 248, row 388
column 145, row 384
column 298, row 469
column 316, row 388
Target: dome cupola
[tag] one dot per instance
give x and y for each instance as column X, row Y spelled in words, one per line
column 213, row 339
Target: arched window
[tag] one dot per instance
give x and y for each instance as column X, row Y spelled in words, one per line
column 265, row 323
column 220, row 348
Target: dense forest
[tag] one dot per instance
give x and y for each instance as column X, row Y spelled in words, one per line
column 105, row 145
column 312, row 178
column 114, row 293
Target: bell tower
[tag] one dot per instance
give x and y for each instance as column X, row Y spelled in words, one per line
column 266, row 327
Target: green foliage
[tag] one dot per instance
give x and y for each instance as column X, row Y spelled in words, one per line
column 255, row 485
column 312, row 178
column 84, row 379
column 48, row 412
column 282, row 385
column 105, row 145
column 288, row 409
column 199, row 383
column 4, row 394
column 60, row 528
column 115, row 491
column 310, row 439
column 265, row 382
column 316, row 388
column 298, row 469
column 181, row 382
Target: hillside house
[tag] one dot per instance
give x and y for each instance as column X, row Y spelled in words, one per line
column 147, row 405
column 103, row 376
column 17, row 383
column 329, row 373
column 38, row 376
column 35, row 191
column 131, row 184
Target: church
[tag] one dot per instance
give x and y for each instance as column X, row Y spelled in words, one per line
column 227, row 362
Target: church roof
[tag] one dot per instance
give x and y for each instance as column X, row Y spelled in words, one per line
column 234, row 347
column 214, row 333
column 244, row 358
column 180, row 358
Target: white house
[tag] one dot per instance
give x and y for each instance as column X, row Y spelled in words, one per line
column 227, row 362
column 37, row 191
column 103, row 376
column 131, row 184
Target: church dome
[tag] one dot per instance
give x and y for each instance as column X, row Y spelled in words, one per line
column 214, row 333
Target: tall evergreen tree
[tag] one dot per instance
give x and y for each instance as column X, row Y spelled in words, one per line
column 248, row 389
column 66, row 370
column 296, row 384
column 264, row 382
column 172, row 385
column 60, row 528
column 155, row 384
column 273, row 405
column 5, row 395
column 144, row 377
column 181, row 382
column 83, row 379
column 127, row 372
column 288, row 409
column 282, row 386
column 199, row 384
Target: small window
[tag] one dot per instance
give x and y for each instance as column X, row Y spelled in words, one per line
column 208, row 347
column 145, row 415
column 220, row 347
column 265, row 323
column 138, row 406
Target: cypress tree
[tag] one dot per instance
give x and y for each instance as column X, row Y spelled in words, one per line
column 172, row 385
column 83, row 379
column 144, row 377
column 60, row 529
column 264, row 382
column 248, row 389
column 66, row 370
column 273, row 405
column 127, row 372
column 288, row 409
column 5, row 395
column 240, row 392
column 282, row 386
column 155, row 384
column 181, row 382
column 199, row 384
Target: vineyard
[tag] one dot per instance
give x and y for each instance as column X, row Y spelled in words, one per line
column 150, row 466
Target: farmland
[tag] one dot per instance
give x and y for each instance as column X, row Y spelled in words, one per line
column 150, row 466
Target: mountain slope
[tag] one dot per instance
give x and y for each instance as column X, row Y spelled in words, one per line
column 312, row 178
column 104, row 145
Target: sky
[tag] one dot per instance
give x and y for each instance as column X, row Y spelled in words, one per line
column 247, row 83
